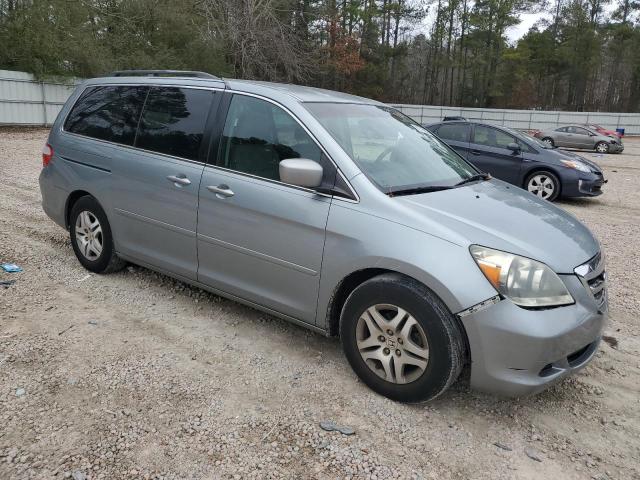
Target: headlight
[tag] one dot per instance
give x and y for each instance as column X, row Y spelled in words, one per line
column 576, row 165
column 525, row 282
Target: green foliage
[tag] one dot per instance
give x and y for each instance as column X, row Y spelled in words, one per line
column 578, row 59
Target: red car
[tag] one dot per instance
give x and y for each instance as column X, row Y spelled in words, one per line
column 602, row 130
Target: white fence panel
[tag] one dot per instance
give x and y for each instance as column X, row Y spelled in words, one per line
column 525, row 119
column 26, row 101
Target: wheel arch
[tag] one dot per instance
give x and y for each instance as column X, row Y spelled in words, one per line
column 357, row 278
column 71, row 200
column 342, row 291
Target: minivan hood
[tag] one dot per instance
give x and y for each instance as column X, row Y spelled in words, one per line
column 498, row 215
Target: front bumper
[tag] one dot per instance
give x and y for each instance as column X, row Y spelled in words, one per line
column 591, row 187
column 517, row 352
column 582, row 184
column 616, row 148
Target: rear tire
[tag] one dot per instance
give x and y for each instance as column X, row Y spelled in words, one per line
column 543, row 184
column 91, row 238
column 602, row 147
column 411, row 348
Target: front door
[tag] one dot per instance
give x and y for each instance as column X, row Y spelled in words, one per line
column 258, row 238
column 564, row 137
column 488, row 151
column 155, row 184
column 582, row 138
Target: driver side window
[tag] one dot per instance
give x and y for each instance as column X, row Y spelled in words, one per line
column 492, row 137
column 258, row 135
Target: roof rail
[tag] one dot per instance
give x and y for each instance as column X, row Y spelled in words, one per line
column 162, row 73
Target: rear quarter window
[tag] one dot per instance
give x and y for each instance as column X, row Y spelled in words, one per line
column 173, row 121
column 107, row 113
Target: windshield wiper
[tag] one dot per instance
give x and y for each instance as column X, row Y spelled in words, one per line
column 436, row 188
column 474, row 178
column 417, row 190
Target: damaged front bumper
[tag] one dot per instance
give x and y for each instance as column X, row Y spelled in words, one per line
column 517, row 352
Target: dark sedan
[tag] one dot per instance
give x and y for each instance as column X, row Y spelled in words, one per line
column 522, row 160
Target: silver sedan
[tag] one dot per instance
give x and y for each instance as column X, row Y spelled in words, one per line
column 575, row 136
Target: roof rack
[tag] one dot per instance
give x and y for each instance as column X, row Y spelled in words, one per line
column 162, row 73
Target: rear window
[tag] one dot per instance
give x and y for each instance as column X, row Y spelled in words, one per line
column 173, row 121
column 107, row 113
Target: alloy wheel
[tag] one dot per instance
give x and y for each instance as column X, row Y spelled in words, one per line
column 89, row 235
column 542, row 185
column 392, row 343
column 548, row 141
column 602, row 148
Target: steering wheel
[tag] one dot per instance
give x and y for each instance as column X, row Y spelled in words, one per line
column 384, row 153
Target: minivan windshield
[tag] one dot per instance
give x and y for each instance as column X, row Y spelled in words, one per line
column 396, row 153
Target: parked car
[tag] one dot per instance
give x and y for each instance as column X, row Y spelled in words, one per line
column 335, row 212
column 601, row 130
column 522, row 160
column 576, row 136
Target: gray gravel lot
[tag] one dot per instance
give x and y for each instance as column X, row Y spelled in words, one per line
column 135, row 375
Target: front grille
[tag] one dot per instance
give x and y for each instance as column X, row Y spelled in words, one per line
column 594, row 278
column 546, row 370
column 598, row 289
column 577, row 357
column 573, row 360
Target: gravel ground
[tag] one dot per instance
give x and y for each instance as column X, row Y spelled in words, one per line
column 135, row 375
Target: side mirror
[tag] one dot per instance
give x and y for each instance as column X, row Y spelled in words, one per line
column 301, row 172
column 514, row 147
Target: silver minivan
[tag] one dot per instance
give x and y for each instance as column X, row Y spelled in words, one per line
column 335, row 212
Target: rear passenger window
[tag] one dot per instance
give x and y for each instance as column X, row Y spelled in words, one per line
column 456, row 132
column 107, row 113
column 258, row 135
column 173, row 121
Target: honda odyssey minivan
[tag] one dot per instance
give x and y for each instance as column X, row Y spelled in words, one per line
column 335, row 212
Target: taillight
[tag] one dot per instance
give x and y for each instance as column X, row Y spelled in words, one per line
column 47, row 154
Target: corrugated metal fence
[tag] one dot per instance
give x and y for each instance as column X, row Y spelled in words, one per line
column 525, row 119
column 26, row 101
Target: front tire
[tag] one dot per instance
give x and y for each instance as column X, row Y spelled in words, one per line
column 91, row 238
column 548, row 141
column 602, row 147
column 543, row 184
column 400, row 339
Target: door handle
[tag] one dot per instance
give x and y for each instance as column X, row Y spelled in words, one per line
column 476, row 152
column 179, row 179
column 221, row 191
